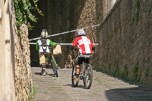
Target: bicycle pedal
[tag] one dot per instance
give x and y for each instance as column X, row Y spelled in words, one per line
column 77, row 79
column 81, row 78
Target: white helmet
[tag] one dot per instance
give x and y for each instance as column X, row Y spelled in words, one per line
column 44, row 33
column 81, row 32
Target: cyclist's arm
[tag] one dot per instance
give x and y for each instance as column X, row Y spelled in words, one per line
column 51, row 43
column 75, row 42
column 93, row 48
column 37, row 46
column 73, row 47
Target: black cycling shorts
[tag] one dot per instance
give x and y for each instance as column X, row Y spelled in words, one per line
column 82, row 59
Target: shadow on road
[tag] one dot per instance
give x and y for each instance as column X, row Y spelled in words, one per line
column 38, row 73
column 79, row 86
column 140, row 93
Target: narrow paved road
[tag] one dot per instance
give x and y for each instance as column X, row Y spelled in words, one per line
column 104, row 88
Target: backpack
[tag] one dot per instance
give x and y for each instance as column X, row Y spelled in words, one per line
column 43, row 46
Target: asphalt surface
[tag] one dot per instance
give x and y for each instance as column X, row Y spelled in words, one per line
column 104, row 88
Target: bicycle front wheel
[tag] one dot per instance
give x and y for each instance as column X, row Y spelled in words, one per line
column 55, row 70
column 88, row 77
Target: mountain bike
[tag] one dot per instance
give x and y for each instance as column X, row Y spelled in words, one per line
column 86, row 73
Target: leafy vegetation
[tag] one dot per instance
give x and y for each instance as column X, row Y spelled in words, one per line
column 137, row 11
column 24, row 11
column 135, row 70
column 32, row 93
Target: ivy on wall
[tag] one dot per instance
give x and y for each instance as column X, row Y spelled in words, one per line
column 24, row 10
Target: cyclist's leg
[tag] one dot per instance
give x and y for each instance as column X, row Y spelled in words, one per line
column 49, row 59
column 42, row 63
column 43, row 71
column 79, row 62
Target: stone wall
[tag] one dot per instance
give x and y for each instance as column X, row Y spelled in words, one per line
column 23, row 76
column 107, row 6
column 125, row 41
column 88, row 16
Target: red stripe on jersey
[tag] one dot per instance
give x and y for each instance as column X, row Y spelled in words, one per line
column 84, row 44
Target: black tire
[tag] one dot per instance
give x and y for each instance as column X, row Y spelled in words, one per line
column 56, row 74
column 88, row 77
column 74, row 82
column 55, row 70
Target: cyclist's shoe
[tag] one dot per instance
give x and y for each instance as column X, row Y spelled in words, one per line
column 58, row 67
column 43, row 72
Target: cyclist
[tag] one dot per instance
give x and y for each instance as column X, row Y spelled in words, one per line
column 42, row 46
column 85, row 47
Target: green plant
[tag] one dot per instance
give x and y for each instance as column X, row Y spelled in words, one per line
column 24, row 9
column 116, row 71
column 124, row 73
column 147, row 72
column 32, row 93
column 137, row 10
column 135, row 71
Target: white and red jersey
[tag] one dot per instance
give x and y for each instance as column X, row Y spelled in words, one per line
column 84, row 44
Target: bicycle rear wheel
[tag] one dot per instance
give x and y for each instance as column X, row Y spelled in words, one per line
column 75, row 80
column 88, row 77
